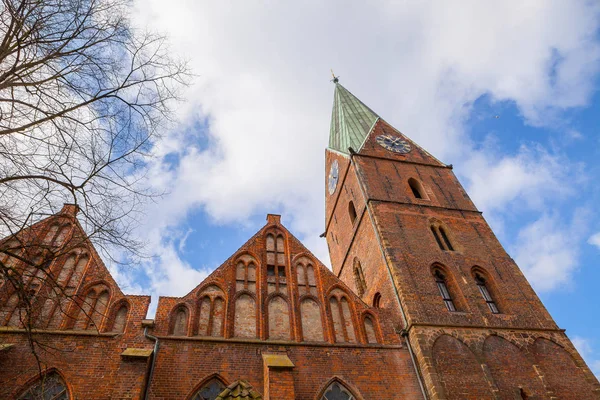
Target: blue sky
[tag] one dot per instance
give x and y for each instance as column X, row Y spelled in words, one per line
column 507, row 92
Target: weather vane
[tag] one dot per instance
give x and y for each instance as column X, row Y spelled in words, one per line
column 335, row 79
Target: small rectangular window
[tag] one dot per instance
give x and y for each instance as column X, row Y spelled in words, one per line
column 270, row 270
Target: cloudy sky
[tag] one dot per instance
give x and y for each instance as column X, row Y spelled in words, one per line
column 506, row 91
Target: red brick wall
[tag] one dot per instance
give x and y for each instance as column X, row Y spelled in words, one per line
column 183, row 363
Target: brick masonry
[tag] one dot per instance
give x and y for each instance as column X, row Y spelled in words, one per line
column 470, row 353
column 375, row 326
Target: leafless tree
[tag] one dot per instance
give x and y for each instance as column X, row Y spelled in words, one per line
column 83, row 95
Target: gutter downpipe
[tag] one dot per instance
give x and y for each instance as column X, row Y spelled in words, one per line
column 154, row 353
column 404, row 332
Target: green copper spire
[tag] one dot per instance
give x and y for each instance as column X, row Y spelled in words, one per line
column 351, row 121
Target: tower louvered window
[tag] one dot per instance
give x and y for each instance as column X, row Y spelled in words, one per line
column 485, row 293
column 440, row 280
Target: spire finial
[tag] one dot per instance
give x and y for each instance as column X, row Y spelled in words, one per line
column 335, row 79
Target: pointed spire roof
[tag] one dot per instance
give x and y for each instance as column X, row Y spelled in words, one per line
column 351, row 121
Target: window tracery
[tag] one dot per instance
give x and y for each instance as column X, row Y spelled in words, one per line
column 49, row 387
column 337, row 391
column 210, row 390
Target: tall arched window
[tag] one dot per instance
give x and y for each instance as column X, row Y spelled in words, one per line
column 120, row 319
column 417, row 189
column 337, row 391
column 276, row 264
column 440, row 280
column 441, row 236
column 352, row 212
column 483, row 289
column 48, row 387
column 210, row 390
column 341, row 314
column 180, row 322
column 377, row 300
column 359, row 278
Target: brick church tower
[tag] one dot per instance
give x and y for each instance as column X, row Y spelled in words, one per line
column 404, row 234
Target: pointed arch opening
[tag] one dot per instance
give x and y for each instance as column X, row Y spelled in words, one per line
column 352, row 212
column 486, row 288
column 337, row 390
column 244, row 324
column 120, row 318
column 210, row 389
column 179, row 321
column 359, row 277
column 341, row 317
column 417, row 189
column 442, row 236
column 377, row 300
column 278, row 318
column 50, row 386
column 448, row 288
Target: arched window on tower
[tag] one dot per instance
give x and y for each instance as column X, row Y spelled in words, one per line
column 483, row 289
column 441, row 236
column 440, row 280
column 417, row 189
column 352, row 212
column 359, row 278
column 377, row 300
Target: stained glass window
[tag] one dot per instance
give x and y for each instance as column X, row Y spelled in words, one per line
column 337, row 391
column 210, row 390
column 49, row 387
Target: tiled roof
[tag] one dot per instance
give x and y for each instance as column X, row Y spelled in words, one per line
column 239, row 390
column 351, row 121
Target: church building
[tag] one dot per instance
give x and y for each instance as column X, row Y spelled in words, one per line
column 422, row 302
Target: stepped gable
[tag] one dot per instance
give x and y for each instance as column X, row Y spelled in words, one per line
column 273, row 288
column 73, row 290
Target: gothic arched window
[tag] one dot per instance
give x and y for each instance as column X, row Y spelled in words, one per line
column 440, row 280
column 417, row 189
column 377, row 300
column 441, row 236
column 337, row 391
column 359, row 278
column 352, row 212
column 483, row 289
column 210, row 390
column 48, row 387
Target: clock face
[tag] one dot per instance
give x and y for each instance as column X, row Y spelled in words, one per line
column 334, row 172
column 394, row 143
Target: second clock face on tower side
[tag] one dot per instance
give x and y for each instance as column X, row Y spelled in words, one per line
column 394, row 144
column 334, row 172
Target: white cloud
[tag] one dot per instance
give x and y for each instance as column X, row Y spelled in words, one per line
column 547, row 250
column 262, row 83
column 595, row 240
column 530, row 177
